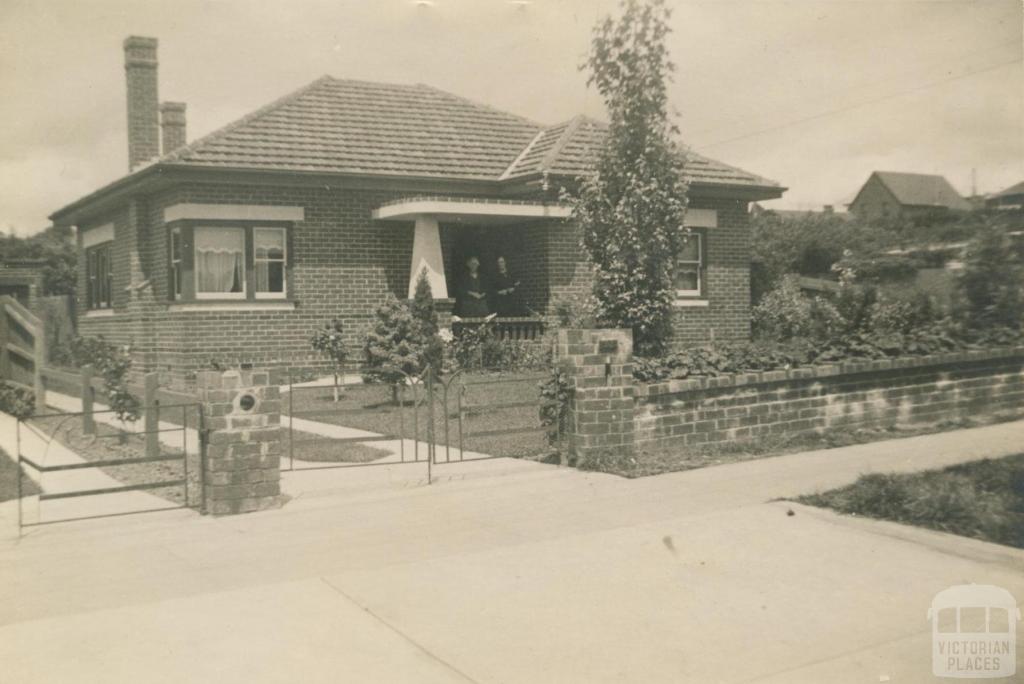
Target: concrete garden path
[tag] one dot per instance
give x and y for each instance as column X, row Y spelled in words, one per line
column 538, row 575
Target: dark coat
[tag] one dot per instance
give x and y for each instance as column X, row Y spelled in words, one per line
column 469, row 306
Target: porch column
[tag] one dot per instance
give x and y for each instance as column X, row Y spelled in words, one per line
column 426, row 254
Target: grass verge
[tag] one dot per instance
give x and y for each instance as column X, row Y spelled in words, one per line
column 9, row 479
column 981, row 499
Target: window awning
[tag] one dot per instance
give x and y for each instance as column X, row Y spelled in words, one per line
column 457, row 209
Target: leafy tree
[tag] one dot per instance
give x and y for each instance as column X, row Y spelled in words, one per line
column 55, row 248
column 329, row 341
column 989, row 291
column 631, row 208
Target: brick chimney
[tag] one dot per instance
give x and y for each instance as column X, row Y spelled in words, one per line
column 172, row 123
column 143, row 124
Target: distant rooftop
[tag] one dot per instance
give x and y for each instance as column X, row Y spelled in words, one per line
column 922, row 190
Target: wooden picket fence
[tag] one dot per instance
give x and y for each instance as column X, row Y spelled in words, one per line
column 22, row 348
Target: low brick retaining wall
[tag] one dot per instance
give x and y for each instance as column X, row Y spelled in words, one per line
column 901, row 392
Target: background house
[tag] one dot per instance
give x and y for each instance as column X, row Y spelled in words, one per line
column 232, row 249
column 1010, row 198
column 888, row 194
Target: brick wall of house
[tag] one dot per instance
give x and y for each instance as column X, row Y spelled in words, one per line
column 115, row 324
column 902, row 392
column 343, row 265
column 727, row 288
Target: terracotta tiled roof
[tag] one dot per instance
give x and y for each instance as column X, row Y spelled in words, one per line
column 335, row 125
column 922, row 190
column 568, row 149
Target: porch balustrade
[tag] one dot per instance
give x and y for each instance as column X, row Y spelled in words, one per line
column 526, row 328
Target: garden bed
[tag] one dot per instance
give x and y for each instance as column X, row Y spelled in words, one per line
column 982, row 499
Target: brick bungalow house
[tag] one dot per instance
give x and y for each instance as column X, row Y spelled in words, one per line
column 231, row 249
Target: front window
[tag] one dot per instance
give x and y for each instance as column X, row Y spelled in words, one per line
column 99, row 273
column 220, row 263
column 225, row 262
column 269, row 257
column 177, row 264
column 688, row 278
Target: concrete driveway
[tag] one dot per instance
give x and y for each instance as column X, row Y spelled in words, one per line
column 524, row 574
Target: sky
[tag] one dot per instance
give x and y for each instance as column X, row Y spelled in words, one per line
column 814, row 94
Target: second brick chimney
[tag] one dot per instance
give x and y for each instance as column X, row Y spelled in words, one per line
column 143, row 125
column 172, row 122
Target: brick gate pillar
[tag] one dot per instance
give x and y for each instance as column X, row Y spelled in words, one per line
column 599, row 364
column 242, row 416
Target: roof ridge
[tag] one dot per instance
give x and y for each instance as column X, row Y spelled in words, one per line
column 481, row 105
column 248, row 118
column 571, row 126
column 522, row 153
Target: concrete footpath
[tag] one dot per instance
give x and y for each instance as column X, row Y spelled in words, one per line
column 534, row 574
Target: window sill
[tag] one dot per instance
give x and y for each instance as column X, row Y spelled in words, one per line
column 691, row 303
column 232, row 305
column 100, row 313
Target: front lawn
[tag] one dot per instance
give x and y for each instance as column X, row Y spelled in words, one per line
column 9, row 479
column 489, row 401
column 331, row 452
column 981, row 499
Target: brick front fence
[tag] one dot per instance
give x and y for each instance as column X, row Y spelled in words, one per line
column 611, row 411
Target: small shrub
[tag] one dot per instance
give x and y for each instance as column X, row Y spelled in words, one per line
column 786, row 313
column 112, row 362
column 16, row 401
column 391, row 348
column 330, row 342
column 479, row 347
column 555, row 395
column 578, row 311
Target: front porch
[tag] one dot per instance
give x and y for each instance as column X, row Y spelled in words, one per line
column 448, row 231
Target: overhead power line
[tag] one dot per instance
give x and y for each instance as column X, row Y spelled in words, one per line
column 858, row 105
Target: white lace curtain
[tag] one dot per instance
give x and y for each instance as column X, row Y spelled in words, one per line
column 220, row 259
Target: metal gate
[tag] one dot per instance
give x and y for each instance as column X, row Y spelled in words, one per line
column 82, row 455
column 363, row 419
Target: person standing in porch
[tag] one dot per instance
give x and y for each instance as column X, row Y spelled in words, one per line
column 507, row 302
column 472, row 299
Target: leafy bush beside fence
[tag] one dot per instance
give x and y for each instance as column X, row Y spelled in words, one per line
column 16, row 401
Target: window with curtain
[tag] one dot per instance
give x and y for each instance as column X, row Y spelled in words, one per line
column 689, row 274
column 269, row 258
column 227, row 261
column 220, row 263
column 99, row 274
column 177, row 263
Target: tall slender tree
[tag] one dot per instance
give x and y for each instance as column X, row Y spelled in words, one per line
column 631, row 208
